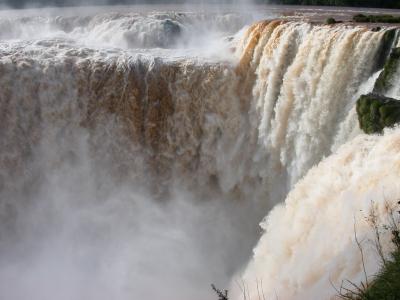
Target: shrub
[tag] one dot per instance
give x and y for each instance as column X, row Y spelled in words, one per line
column 386, row 284
column 330, row 21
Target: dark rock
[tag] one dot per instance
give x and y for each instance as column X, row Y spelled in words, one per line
column 384, row 49
column 385, row 79
column 171, row 29
column 375, row 112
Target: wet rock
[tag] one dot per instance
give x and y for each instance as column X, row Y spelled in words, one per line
column 385, row 79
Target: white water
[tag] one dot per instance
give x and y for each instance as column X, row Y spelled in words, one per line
column 134, row 166
column 90, row 208
column 309, row 247
column 394, row 91
column 303, row 101
column 203, row 34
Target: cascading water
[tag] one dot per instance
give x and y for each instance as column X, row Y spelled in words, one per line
column 309, row 248
column 136, row 162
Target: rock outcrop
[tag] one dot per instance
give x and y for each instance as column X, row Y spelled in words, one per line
column 385, row 80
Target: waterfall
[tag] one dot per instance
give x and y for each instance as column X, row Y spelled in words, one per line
column 139, row 149
column 307, row 79
column 309, row 249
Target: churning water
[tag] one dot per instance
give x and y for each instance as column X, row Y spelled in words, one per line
column 139, row 150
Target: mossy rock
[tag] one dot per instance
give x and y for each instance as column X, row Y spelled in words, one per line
column 375, row 112
column 385, row 80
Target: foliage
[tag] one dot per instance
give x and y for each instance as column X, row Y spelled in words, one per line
column 386, row 284
column 357, row 3
column 330, row 21
column 376, row 19
column 376, row 112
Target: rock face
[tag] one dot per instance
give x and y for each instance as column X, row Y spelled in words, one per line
column 388, row 39
column 385, row 80
column 375, row 112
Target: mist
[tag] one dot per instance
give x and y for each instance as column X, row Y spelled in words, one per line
column 95, row 204
column 18, row 4
column 142, row 145
column 73, row 232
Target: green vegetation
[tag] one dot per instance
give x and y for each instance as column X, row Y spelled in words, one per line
column 357, row 3
column 385, row 80
column 376, row 19
column 386, row 284
column 375, row 112
column 330, row 21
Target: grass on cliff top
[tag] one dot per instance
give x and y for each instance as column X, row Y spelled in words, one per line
column 360, row 18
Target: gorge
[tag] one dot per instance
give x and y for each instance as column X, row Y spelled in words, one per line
column 140, row 149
